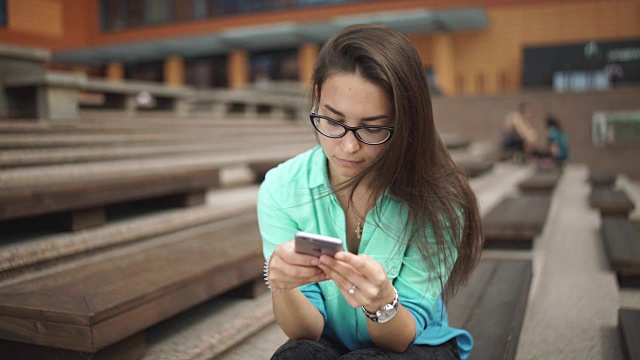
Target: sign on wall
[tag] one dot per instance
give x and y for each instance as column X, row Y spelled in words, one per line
column 582, row 66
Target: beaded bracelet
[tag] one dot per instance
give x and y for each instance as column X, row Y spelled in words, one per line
column 266, row 278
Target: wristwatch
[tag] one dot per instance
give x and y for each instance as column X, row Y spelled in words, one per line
column 386, row 312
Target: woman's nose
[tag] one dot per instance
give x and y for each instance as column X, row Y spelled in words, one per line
column 350, row 143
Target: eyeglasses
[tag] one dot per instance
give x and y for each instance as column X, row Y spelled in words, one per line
column 368, row 134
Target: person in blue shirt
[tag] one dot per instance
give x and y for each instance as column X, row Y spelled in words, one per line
column 556, row 152
column 557, row 141
column 382, row 181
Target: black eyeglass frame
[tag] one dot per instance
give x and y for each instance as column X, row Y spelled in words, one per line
column 353, row 129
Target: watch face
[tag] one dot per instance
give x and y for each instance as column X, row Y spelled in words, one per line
column 386, row 313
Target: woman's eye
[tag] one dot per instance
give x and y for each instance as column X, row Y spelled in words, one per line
column 373, row 130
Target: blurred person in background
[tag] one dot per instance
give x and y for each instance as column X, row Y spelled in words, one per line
column 556, row 152
column 518, row 136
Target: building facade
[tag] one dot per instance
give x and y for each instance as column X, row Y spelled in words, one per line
column 468, row 47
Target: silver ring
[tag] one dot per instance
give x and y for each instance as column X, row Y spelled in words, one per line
column 352, row 290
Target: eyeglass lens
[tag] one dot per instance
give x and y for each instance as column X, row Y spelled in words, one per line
column 335, row 129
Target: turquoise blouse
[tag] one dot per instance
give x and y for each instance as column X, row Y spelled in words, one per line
column 296, row 196
column 556, row 136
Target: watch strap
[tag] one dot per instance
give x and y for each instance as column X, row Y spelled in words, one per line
column 374, row 316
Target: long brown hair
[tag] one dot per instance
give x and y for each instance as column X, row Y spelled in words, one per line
column 415, row 166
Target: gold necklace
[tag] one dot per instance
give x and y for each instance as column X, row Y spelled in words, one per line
column 358, row 230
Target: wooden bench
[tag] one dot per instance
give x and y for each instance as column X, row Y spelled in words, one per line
column 81, row 191
column 516, row 221
column 492, row 306
column 473, row 168
column 86, row 153
column 251, row 103
column 629, row 326
column 79, row 203
column 101, row 306
column 455, row 141
column 602, row 178
column 621, row 238
column 124, row 95
column 611, row 202
column 28, row 90
column 50, row 95
column 543, row 181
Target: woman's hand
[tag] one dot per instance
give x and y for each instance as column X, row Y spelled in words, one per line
column 373, row 289
column 288, row 269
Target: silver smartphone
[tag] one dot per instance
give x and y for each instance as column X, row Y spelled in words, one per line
column 316, row 245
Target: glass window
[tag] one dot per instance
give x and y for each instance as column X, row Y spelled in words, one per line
column 3, row 12
column 135, row 13
column 158, row 11
column 145, row 72
column 114, row 15
column 121, row 14
column 183, row 10
column 199, row 9
column 276, row 65
column 206, row 72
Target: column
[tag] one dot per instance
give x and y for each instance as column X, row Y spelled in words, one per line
column 307, row 56
column 174, row 71
column 238, row 69
column 115, row 71
column 444, row 62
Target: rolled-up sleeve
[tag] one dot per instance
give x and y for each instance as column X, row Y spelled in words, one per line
column 277, row 226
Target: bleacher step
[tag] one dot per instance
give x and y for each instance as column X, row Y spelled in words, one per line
column 46, row 251
column 260, row 345
column 210, row 329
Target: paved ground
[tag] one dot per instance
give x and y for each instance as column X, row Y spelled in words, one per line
column 572, row 310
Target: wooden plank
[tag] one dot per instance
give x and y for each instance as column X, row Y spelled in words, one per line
column 474, row 167
column 135, row 283
column 602, row 178
column 461, row 308
column 516, row 221
column 250, row 290
column 621, row 239
column 611, row 202
column 51, row 198
column 543, row 181
column 497, row 319
column 260, row 168
column 76, row 154
column 70, row 139
column 629, row 326
column 131, row 348
column 81, row 219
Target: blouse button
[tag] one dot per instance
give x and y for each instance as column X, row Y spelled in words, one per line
column 394, row 271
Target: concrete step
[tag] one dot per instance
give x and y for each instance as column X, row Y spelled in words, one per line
column 574, row 299
column 214, row 327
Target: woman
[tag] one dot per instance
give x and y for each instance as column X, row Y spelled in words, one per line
column 382, row 181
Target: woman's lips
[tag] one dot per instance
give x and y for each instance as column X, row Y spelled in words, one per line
column 349, row 163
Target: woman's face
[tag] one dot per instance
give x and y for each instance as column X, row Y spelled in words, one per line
column 354, row 101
